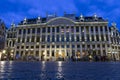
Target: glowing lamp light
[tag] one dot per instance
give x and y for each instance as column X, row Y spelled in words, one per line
column 60, row 53
column 60, row 64
column 26, row 49
column 4, row 51
column 37, row 43
column 11, row 54
column 43, row 53
column 31, row 49
column 11, row 50
column 0, row 55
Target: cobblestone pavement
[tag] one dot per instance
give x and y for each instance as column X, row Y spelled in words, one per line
column 59, row 70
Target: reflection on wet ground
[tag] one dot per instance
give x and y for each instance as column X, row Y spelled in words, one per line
column 59, row 70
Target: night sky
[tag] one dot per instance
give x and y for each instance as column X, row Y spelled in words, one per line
column 17, row 10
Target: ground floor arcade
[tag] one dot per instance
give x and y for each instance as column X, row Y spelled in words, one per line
column 53, row 55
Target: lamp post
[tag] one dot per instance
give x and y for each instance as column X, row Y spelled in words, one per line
column 0, row 54
column 4, row 51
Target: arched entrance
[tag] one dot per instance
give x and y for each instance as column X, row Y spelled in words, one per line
column 42, row 55
column 78, row 55
column 60, row 55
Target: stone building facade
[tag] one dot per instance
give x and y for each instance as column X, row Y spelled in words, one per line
column 2, row 36
column 53, row 37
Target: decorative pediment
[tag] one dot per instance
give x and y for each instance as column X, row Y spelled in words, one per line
column 60, row 21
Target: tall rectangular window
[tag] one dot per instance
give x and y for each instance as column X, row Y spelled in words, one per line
column 92, row 37
column 43, row 38
column 48, row 30
column 48, row 53
column 48, row 38
column 57, row 39
column 43, row 30
column 62, row 38
column 53, row 53
column 58, row 29
column 28, row 38
column 87, row 29
column 77, row 29
column 88, row 38
column 77, row 38
column 101, row 28
column 28, row 31
column 53, row 29
column 96, row 28
column 107, row 38
column 82, row 30
column 72, row 29
column 24, row 31
column 97, row 37
column 38, row 30
column 33, row 39
column 23, row 39
column 42, row 46
column 37, row 53
column 91, row 28
column 83, row 38
column 67, row 37
column 53, row 38
column 38, row 38
column 102, row 37
column 33, row 30
column 20, row 31
column 72, row 37
column 78, row 46
column 106, row 29
column 19, row 39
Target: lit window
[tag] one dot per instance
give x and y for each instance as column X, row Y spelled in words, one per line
column 62, row 46
column 68, row 46
column 57, row 46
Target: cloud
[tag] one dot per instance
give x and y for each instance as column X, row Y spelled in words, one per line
column 10, row 17
column 18, row 9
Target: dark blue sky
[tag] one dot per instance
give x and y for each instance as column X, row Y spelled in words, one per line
column 18, row 9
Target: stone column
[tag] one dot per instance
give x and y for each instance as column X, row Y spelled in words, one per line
column 80, row 33
column 74, row 33
column 106, row 49
column 46, row 34
column 81, row 50
column 35, row 34
column 55, row 34
column 65, row 51
column 90, row 33
column 85, row 33
column 104, row 33
column 101, row 49
column 30, row 35
column 99, row 32
column 94, row 33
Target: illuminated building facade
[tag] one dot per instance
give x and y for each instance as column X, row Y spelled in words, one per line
column 53, row 37
column 2, row 36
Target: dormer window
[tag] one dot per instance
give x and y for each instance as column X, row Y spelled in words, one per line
column 25, row 21
column 12, row 25
column 95, row 17
column 81, row 18
column 114, row 24
column 39, row 20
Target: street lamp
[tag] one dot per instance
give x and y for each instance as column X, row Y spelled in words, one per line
column 0, row 55
column 11, row 50
column 4, row 51
column 60, row 53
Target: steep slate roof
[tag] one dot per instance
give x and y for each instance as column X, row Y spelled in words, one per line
column 69, row 16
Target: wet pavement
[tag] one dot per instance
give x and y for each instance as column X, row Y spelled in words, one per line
column 59, row 70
